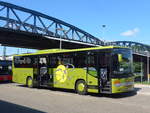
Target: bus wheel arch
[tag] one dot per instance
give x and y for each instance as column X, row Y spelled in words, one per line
column 81, row 87
column 29, row 82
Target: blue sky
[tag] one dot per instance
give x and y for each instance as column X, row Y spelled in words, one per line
column 124, row 19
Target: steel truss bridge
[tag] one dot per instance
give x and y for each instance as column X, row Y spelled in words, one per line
column 18, row 24
column 23, row 27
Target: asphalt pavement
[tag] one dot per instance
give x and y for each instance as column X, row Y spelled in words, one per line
column 15, row 98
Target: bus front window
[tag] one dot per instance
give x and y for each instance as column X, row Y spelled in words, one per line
column 121, row 61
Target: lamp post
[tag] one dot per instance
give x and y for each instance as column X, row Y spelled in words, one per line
column 61, row 30
column 103, row 32
column 4, row 53
column 148, row 66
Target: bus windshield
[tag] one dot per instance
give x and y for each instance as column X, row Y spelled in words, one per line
column 121, row 61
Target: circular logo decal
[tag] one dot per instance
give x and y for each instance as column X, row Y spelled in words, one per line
column 61, row 73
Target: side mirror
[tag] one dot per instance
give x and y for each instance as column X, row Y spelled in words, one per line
column 120, row 58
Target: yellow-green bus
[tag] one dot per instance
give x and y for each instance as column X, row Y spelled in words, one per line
column 99, row 69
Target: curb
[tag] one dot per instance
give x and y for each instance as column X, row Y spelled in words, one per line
column 141, row 85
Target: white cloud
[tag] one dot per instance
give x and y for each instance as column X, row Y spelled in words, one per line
column 130, row 33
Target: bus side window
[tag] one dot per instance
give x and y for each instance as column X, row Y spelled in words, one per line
column 53, row 61
column 104, row 59
column 43, row 62
column 67, row 59
column 35, row 62
column 23, row 61
column 80, row 59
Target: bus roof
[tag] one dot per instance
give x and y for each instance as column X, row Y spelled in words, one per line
column 47, row 51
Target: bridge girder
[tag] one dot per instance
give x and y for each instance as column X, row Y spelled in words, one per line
column 22, row 19
column 9, row 37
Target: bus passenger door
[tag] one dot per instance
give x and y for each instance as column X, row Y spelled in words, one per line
column 43, row 70
column 92, row 72
column 104, row 72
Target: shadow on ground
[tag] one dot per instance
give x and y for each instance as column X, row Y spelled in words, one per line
column 5, row 82
column 119, row 95
column 7, row 107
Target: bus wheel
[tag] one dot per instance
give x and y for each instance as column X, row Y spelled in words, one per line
column 81, row 87
column 30, row 82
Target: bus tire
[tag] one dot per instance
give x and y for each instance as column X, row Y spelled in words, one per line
column 81, row 87
column 29, row 82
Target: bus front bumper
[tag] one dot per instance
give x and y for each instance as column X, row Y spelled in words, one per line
column 120, row 85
